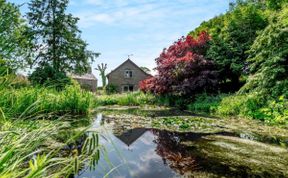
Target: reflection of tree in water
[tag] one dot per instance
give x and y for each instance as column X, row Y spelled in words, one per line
column 174, row 154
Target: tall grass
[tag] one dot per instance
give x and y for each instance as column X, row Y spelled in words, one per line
column 27, row 141
column 33, row 102
column 25, row 153
column 127, row 99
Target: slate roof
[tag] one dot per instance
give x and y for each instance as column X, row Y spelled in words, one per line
column 88, row 76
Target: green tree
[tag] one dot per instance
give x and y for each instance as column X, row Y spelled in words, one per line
column 14, row 43
column 232, row 36
column 102, row 69
column 57, row 40
column 269, row 60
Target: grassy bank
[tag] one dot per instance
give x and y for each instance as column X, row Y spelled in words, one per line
column 127, row 99
column 38, row 136
column 34, row 102
column 243, row 106
column 246, row 106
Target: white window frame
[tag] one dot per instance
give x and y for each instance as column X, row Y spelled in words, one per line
column 128, row 73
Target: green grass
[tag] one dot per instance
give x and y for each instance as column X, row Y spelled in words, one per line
column 250, row 106
column 34, row 102
column 35, row 127
column 126, row 99
column 27, row 149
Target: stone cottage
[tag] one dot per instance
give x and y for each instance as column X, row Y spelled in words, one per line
column 127, row 76
column 87, row 81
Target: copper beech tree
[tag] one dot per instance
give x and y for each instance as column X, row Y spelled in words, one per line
column 182, row 69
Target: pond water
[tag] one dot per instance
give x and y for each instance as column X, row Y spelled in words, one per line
column 149, row 152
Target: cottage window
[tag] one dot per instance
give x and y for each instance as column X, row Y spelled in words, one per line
column 128, row 74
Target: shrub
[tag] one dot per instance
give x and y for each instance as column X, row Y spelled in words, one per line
column 240, row 105
column 110, row 89
column 205, row 103
column 276, row 111
column 47, row 76
column 183, row 70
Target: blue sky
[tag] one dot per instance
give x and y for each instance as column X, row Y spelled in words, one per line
column 117, row 28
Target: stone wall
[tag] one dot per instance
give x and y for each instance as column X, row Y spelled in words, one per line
column 90, row 85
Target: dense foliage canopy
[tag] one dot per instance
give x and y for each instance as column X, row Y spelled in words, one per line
column 269, row 59
column 232, row 36
column 182, row 69
column 14, row 42
column 56, row 38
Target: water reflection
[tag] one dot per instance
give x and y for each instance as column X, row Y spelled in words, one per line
column 140, row 152
column 137, row 152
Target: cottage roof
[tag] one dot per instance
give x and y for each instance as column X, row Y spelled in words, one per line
column 130, row 61
column 87, row 76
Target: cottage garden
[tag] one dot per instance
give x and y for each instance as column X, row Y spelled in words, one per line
column 218, row 106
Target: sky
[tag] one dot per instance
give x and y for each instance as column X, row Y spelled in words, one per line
column 118, row 28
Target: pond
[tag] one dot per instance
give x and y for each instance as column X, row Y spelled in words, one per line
column 134, row 148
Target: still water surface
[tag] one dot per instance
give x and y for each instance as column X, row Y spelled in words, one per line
column 146, row 152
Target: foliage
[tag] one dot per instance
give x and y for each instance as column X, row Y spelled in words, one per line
column 31, row 148
column 5, row 68
column 276, row 111
column 249, row 106
column 24, row 102
column 30, row 145
column 102, row 68
column 241, row 105
column 206, row 104
column 14, row 42
column 110, row 89
column 275, row 5
column 269, row 60
column 232, row 35
column 46, row 75
column 56, row 38
column 255, row 107
column 127, row 99
column 182, row 69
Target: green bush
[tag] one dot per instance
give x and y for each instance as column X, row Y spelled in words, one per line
column 206, row 103
column 241, row 105
column 276, row 111
column 110, row 89
column 47, row 76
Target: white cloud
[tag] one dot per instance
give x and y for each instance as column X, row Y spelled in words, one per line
column 94, row 2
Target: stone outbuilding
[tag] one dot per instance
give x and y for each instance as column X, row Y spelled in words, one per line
column 126, row 77
column 87, row 81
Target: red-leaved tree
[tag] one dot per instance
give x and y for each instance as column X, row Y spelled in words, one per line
column 182, row 69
